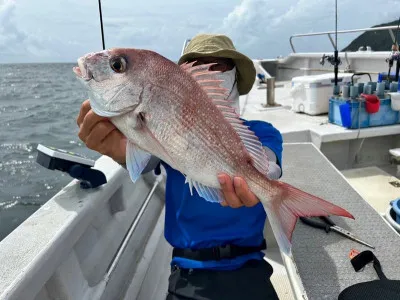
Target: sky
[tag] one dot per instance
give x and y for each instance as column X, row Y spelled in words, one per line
column 63, row 30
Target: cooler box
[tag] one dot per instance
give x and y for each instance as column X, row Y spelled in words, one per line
column 311, row 94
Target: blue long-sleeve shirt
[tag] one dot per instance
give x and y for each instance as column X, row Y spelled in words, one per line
column 193, row 222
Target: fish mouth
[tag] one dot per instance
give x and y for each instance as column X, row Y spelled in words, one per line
column 82, row 70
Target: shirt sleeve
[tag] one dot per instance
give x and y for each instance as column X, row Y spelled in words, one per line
column 274, row 170
column 269, row 137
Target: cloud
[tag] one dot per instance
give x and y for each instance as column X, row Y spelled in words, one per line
column 32, row 34
column 15, row 43
column 48, row 31
column 9, row 34
column 65, row 30
column 261, row 28
column 162, row 26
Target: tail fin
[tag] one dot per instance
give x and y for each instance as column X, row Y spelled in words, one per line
column 289, row 204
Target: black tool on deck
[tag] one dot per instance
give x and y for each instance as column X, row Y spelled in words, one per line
column 74, row 164
column 328, row 225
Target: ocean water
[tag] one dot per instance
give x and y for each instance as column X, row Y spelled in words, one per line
column 39, row 103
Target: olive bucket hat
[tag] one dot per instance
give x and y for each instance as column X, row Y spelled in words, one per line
column 218, row 45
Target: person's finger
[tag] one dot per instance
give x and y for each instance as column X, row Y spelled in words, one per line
column 89, row 121
column 243, row 192
column 98, row 134
column 114, row 146
column 229, row 191
column 85, row 107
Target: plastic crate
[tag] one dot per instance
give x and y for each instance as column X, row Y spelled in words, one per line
column 385, row 116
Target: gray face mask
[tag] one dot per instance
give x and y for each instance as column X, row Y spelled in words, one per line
column 230, row 84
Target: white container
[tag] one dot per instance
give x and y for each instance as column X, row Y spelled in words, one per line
column 395, row 101
column 311, row 94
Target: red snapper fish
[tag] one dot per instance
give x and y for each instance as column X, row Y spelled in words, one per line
column 179, row 114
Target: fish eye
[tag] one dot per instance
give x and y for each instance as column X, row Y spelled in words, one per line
column 118, row 64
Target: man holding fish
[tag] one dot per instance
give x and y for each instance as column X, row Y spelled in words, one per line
column 218, row 166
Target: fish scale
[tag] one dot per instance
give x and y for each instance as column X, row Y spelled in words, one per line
column 177, row 113
column 199, row 131
column 200, row 160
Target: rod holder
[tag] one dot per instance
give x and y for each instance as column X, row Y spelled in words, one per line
column 270, row 93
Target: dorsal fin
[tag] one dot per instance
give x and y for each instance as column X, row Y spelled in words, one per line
column 212, row 86
column 186, row 65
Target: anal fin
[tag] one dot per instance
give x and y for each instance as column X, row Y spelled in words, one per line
column 208, row 193
column 190, row 182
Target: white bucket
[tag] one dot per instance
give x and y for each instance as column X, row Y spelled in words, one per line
column 395, row 101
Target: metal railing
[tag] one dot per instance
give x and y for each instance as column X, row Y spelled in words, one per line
column 329, row 34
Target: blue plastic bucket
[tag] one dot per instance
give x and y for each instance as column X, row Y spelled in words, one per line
column 345, row 114
column 396, row 207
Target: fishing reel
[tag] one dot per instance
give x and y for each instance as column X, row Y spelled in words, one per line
column 331, row 60
column 393, row 57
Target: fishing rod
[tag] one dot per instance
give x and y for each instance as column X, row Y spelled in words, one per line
column 75, row 165
column 101, row 25
column 334, row 59
column 393, row 56
column 396, row 46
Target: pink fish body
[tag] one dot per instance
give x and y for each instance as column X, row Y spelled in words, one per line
column 178, row 114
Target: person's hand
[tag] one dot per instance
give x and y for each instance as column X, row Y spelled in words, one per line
column 100, row 135
column 236, row 192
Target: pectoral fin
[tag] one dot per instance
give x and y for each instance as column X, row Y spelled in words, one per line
column 136, row 160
